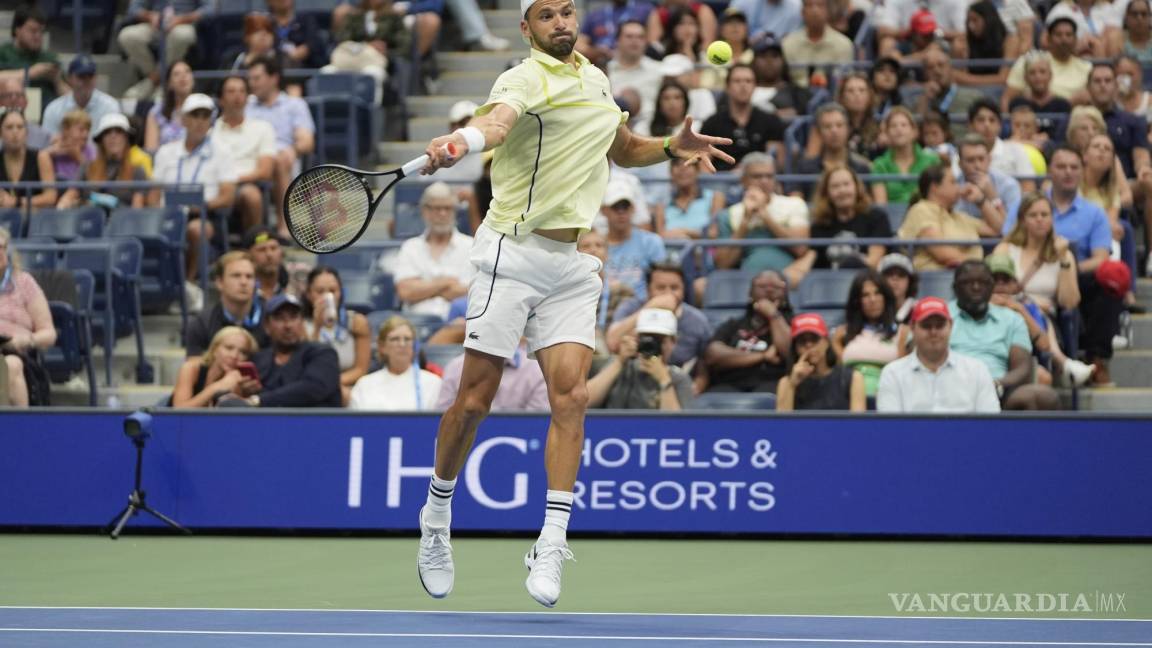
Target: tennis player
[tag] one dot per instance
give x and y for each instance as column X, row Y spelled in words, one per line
column 554, row 125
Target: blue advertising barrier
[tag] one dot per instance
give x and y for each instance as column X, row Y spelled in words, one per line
column 865, row 475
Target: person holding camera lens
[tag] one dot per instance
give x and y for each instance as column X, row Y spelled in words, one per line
column 640, row 376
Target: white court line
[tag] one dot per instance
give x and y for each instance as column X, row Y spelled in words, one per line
column 428, row 635
column 553, row 612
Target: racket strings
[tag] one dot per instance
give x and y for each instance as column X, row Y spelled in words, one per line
column 327, row 208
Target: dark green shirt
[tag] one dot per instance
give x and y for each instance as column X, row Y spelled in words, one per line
column 901, row 191
column 14, row 58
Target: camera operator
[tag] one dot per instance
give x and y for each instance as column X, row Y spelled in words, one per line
column 639, row 375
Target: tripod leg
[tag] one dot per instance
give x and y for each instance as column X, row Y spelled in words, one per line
column 163, row 518
column 128, row 512
column 116, row 518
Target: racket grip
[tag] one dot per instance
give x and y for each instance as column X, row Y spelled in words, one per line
column 413, row 167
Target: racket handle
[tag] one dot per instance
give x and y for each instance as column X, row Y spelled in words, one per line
column 413, row 167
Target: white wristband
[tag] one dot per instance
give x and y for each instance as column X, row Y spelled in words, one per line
column 473, row 138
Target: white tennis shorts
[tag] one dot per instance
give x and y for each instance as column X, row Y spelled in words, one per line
column 532, row 286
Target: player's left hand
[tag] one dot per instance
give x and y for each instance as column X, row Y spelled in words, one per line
column 691, row 145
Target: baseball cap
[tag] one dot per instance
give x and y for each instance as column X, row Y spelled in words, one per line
column 887, row 61
column 617, row 192
column 733, row 13
column 281, row 301
column 767, row 44
column 675, row 65
column 1001, row 264
column 923, row 23
column 257, row 234
column 109, row 122
column 197, row 101
column 658, row 321
column 82, row 65
column 461, row 110
column 931, row 307
column 1114, row 277
column 896, row 261
column 809, row 323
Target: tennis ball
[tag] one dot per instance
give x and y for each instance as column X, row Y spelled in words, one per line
column 719, row 53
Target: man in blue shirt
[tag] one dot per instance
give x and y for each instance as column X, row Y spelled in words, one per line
column 631, row 251
column 776, row 17
column 996, row 336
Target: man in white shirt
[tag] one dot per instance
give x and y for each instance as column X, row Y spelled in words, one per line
column 629, row 68
column 1007, row 157
column 816, row 43
column 84, row 96
column 198, row 159
column 433, row 269
column 934, row 379
column 252, row 143
column 1069, row 72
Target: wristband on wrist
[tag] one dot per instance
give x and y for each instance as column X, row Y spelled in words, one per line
column 473, row 138
column 668, row 148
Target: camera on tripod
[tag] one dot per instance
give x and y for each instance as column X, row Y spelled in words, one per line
column 138, row 426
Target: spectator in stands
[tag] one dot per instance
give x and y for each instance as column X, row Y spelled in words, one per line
column 328, row 321
column 670, row 111
column 433, row 269
column 267, row 251
column 422, row 18
column 175, row 21
column 259, row 42
column 612, row 294
column 165, row 122
column 1037, row 92
column 1084, row 123
column 400, row 383
column 239, row 305
column 253, row 146
column 986, row 37
column 816, row 381
column 661, row 24
column 749, row 353
column 897, row 21
column 83, row 96
column 855, row 94
column 202, row 380
column 367, row 38
column 630, row 250
column 522, row 387
column 817, row 43
column 935, row 378
column 25, row 321
column 112, row 163
column 630, row 68
column 996, row 336
column 25, row 55
column 1069, row 72
column 23, row 164
column 1103, row 183
column 202, row 160
column 832, row 128
column 936, row 134
column 904, row 156
column 691, row 211
column 666, row 290
column 985, row 193
column 641, row 374
column 933, row 217
column 1134, row 38
column 1132, row 97
column 682, row 35
column 1095, row 20
column 1019, row 21
column 885, row 78
column 297, row 35
column 290, row 119
column 870, row 337
column 1026, row 132
column 294, row 372
column 1008, row 158
column 763, row 214
column 940, row 90
column 775, row 92
column 749, row 128
column 12, row 97
column 701, row 101
column 841, row 210
column 902, row 280
column 769, row 18
column 602, row 30
column 71, row 149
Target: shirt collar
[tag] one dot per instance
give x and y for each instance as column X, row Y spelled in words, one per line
column 1076, row 203
column 554, row 64
column 919, row 366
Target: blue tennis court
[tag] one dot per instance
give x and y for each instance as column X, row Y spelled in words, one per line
column 131, row 627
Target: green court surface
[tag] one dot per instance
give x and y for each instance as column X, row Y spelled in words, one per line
column 670, row 576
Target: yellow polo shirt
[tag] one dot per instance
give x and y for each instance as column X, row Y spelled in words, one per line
column 950, row 225
column 552, row 169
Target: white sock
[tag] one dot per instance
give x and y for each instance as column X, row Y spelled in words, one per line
column 556, row 514
column 438, row 509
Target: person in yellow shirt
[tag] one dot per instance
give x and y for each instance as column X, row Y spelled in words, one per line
column 554, row 126
column 933, row 217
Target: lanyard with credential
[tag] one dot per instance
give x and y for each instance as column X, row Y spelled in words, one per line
column 948, row 98
column 199, row 163
column 416, row 384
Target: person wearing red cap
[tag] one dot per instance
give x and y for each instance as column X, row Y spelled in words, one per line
column 816, row 381
column 935, row 378
column 900, row 22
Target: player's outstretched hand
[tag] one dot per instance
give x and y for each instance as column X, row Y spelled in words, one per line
column 691, row 145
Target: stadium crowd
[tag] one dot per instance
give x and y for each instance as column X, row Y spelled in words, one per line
column 1012, row 136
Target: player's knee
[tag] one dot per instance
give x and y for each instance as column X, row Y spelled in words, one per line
column 473, row 407
column 569, row 399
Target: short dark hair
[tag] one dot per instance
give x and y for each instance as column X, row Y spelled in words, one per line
column 624, row 24
column 970, row 264
column 739, row 66
column 1061, row 20
column 270, row 65
column 225, row 80
column 933, row 175
column 1109, row 65
column 983, row 103
column 664, row 266
column 26, row 13
column 1064, row 148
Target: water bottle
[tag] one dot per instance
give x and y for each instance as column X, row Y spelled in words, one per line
column 329, row 309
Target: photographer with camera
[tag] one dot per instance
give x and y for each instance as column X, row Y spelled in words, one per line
column 639, row 375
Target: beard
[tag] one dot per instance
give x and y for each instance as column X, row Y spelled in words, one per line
column 557, row 50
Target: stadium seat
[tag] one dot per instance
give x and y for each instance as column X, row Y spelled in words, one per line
column 936, row 284
column 408, row 222
column 38, row 253
column 66, row 225
column 727, row 289
column 717, row 316
column 442, row 354
column 12, row 219
column 382, row 292
column 72, row 351
column 351, row 261
column 896, row 213
column 344, row 108
column 734, row 402
column 161, row 231
column 795, row 139
column 358, row 293
column 824, row 289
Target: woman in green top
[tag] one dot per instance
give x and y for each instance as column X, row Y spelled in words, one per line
column 904, row 156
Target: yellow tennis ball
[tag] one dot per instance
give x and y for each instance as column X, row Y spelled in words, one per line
column 719, row 53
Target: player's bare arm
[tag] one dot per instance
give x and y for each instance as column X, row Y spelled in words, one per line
column 632, row 150
column 493, row 126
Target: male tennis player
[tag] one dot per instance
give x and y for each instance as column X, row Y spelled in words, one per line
column 554, row 125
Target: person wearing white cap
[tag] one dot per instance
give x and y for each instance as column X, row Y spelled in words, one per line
column 112, row 162
column 554, row 126
column 640, row 375
column 198, row 159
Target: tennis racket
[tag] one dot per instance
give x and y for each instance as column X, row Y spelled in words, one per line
column 328, row 207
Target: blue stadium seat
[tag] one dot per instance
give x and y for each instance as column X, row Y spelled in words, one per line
column 717, row 316
column 12, row 219
column 382, row 292
column 65, row 225
column 344, row 108
column 351, row 261
column 161, row 231
column 72, row 351
column 358, row 293
column 442, row 354
column 795, row 139
column 896, row 213
column 824, row 289
column 38, row 253
column 936, row 284
column 734, row 401
column 727, row 289
column 408, row 222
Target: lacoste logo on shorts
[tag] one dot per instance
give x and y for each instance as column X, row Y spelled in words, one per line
column 473, row 336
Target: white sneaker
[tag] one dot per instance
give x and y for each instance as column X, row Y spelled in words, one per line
column 1077, row 373
column 493, row 43
column 545, row 562
column 434, row 561
column 193, row 296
